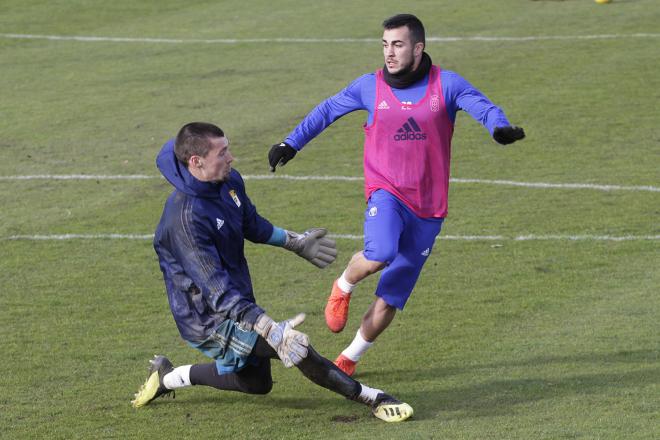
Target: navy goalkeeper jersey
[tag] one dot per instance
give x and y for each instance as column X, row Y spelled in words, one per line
column 200, row 245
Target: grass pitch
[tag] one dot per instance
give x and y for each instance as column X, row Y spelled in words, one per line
column 530, row 339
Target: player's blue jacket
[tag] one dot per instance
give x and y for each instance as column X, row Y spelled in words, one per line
column 199, row 242
column 458, row 94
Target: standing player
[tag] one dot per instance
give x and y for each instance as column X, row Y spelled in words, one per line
column 412, row 105
column 199, row 242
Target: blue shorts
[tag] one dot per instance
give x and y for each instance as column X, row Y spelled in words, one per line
column 394, row 235
column 230, row 346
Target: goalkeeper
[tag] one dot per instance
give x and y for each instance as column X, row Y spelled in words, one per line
column 200, row 246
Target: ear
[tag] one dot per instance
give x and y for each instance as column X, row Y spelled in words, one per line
column 195, row 161
column 419, row 48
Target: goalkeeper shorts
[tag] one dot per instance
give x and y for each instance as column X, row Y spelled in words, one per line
column 230, row 346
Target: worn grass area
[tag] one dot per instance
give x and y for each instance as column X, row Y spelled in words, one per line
column 541, row 339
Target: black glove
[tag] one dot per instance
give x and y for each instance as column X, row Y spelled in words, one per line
column 280, row 154
column 508, row 135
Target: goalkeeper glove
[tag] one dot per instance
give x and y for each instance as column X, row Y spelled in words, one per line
column 312, row 246
column 290, row 345
column 280, row 154
column 508, row 135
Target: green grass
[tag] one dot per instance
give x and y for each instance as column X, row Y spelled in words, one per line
column 543, row 339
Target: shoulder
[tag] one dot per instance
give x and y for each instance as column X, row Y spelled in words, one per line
column 453, row 83
column 450, row 76
column 366, row 80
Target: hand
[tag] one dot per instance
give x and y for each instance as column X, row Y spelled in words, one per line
column 291, row 345
column 280, row 154
column 508, row 135
column 312, row 246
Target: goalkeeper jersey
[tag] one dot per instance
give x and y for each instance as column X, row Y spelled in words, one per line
column 200, row 245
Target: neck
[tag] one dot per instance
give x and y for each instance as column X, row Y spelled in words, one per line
column 401, row 80
column 197, row 174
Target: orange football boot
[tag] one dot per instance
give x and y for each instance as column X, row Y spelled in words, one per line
column 345, row 364
column 336, row 310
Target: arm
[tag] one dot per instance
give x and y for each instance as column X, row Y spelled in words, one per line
column 322, row 116
column 311, row 245
column 461, row 95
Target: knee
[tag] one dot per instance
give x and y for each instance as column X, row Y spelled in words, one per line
column 262, row 385
column 376, row 258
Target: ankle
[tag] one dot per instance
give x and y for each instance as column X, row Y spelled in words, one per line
column 344, row 284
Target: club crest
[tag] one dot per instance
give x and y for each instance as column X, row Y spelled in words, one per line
column 435, row 103
column 233, row 195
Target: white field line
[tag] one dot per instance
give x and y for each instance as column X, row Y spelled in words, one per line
column 529, row 237
column 80, row 177
column 94, row 39
column 542, row 185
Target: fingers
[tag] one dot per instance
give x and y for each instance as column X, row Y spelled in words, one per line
column 280, row 154
column 508, row 135
column 316, row 233
column 297, row 320
column 323, row 260
column 328, row 246
column 518, row 133
column 295, row 345
column 274, row 156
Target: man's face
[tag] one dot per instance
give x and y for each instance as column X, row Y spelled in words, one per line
column 401, row 55
column 216, row 165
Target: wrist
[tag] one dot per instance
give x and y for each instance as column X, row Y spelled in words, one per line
column 263, row 324
column 292, row 241
column 278, row 237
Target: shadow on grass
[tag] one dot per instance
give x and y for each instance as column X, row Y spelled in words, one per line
column 490, row 398
column 500, row 397
column 599, row 359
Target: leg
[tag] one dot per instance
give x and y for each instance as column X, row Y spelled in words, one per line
column 359, row 268
column 394, row 287
column 317, row 369
column 336, row 310
column 234, row 368
column 324, row 373
column 383, row 225
column 253, row 379
column 378, row 318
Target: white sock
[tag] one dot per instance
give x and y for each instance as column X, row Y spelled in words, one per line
column 358, row 347
column 368, row 395
column 344, row 285
column 177, row 378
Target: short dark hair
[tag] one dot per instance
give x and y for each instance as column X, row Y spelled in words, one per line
column 193, row 140
column 413, row 23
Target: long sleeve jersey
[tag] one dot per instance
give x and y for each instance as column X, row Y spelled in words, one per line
column 200, row 245
column 458, row 93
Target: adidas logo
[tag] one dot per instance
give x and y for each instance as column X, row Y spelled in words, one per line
column 383, row 105
column 410, row 131
column 219, row 222
column 426, row 252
